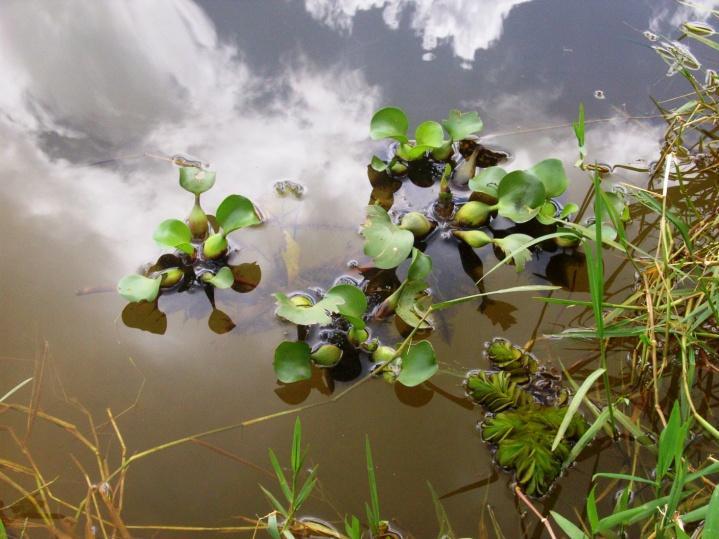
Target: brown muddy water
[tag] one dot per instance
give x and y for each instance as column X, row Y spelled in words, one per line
column 283, row 90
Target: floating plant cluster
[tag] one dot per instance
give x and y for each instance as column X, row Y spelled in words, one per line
column 200, row 257
column 524, row 401
column 525, row 411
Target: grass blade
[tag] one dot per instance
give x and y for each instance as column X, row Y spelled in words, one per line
column 373, row 508
column 574, row 405
column 711, row 524
column 587, row 437
column 296, row 455
column 568, row 527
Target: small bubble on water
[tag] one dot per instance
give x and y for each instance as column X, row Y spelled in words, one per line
column 651, row 36
column 599, row 94
column 428, row 56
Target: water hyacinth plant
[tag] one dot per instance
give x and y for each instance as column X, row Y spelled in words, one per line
column 200, row 251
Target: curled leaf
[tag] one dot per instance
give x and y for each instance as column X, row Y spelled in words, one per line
column 137, row 288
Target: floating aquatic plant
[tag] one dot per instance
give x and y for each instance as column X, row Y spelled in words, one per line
column 512, row 245
column 199, row 258
column 429, row 136
column 522, row 430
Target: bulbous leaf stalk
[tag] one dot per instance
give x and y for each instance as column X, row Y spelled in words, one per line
column 198, row 222
column 417, row 224
column 465, row 172
column 473, row 213
column 215, row 246
column 473, row 238
column 326, row 355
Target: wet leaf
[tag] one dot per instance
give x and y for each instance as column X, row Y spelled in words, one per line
column 520, row 196
column 552, row 175
column 377, row 164
column 246, row 277
column 419, row 364
column 345, row 299
column 224, row 278
column 514, row 245
column 220, row 322
column 412, row 153
column 388, row 244
column 546, row 213
column 461, row 125
column 487, row 181
column 175, row 234
column 196, row 180
column 145, row 316
column 413, row 302
column 137, row 288
column 389, row 122
column 292, row 362
column 354, row 303
column 236, row 212
column 429, row 134
column 420, row 267
column 568, row 210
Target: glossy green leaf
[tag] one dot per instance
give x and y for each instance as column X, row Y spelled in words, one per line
column 378, row 164
column 175, row 234
column 345, row 299
column 354, row 303
column 572, row 531
column 429, row 134
column 711, row 524
column 568, row 210
column 546, row 213
column 514, row 246
column 413, row 302
column 388, row 244
column 461, row 125
column 3, row 533
column 236, row 212
column 412, row 153
column 292, row 362
column 137, row 288
column 419, row 364
column 520, row 196
column 224, row 278
column 420, row 267
column 487, row 181
column 389, row 122
column 196, row 180
column 552, row 175
column 671, row 442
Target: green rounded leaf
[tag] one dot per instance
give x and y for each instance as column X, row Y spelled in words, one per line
column 520, row 196
column 419, row 364
column 546, row 213
column 420, row 267
column 552, row 175
column 350, row 301
column 292, row 362
column 460, row 126
column 345, row 299
column 487, row 181
column 196, row 180
column 136, row 288
column 429, row 134
column 175, row 234
column 412, row 153
column 389, row 122
column 236, row 212
column 224, row 278
column 388, row 244
column 413, row 302
column 378, row 164
column 568, row 210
